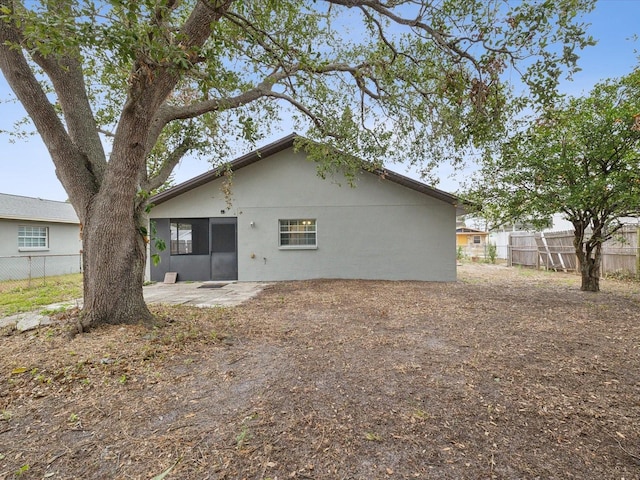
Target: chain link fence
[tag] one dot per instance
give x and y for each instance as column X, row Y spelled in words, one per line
column 26, row 271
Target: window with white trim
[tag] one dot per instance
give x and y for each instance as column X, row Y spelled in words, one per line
column 33, row 238
column 298, row 233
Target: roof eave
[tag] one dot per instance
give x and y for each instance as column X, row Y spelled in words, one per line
column 38, row 219
column 288, row 142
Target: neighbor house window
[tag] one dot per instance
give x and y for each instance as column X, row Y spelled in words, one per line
column 189, row 236
column 476, row 239
column 298, row 233
column 35, row 238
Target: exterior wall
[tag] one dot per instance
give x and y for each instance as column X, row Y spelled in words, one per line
column 466, row 240
column 61, row 256
column 378, row 230
column 470, row 249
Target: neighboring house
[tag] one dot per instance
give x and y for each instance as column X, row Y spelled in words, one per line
column 472, row 242
column 37, row 237
column 284, row 222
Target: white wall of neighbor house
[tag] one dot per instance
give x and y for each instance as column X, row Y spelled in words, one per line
column 60, row 255
column 377, row 230
column 63, row 238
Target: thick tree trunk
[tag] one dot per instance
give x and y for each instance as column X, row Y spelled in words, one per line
column 114, row 251
column 114, row 259
column 590, row 275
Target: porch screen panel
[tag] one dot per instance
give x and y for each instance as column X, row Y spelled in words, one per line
column 189, row 236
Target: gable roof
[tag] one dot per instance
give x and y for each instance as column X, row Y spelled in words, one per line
column 283, row 144
column 16, row 207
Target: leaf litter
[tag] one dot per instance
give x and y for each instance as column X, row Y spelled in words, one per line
column 505, row 374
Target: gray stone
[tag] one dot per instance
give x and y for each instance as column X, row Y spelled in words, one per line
column 10, row 321
column 29, row 321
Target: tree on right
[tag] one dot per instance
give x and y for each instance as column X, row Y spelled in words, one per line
column 580, row 158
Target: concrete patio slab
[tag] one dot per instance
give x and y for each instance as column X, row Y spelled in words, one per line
column 202, row 294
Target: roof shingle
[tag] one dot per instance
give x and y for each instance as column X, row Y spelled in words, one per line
column 16, row 207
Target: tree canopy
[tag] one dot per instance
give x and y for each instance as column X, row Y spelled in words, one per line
column 580, row 158
column 120, row 91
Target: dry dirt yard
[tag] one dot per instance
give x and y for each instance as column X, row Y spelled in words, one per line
column 506, row 374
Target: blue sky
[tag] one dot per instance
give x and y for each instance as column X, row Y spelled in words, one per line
column 27, row 168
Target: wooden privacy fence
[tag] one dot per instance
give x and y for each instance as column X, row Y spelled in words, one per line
column 555, row 251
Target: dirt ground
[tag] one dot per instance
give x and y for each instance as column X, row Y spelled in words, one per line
column 506, row 374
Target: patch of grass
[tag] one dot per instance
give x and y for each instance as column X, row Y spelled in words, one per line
column 22, row 299
column 372, row 437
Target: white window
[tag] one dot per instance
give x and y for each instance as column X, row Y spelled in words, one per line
column 33, row 238
column 298, row 233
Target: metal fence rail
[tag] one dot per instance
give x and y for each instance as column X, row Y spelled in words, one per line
column 33, row 270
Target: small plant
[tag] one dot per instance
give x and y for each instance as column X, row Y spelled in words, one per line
column 73, row 418
column 242, row 437
column 460, row 253
column 53, row 311
column 123, row 379
column 22, row 470
column 372, row 437
column 492, row 252
column 5, row 415
column 420, row 414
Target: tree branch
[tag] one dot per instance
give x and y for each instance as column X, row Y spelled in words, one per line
column 71, row 165
column 174, row 157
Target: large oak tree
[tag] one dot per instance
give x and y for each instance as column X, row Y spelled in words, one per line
column 121, row 90
column 581, row 158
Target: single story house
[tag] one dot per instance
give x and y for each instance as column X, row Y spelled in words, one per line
column 37, row 238
column 282, row 221
column 472, row 242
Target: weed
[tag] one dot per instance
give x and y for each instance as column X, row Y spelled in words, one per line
column 123, row 379
column 242, row 437
column 372, row 437
column 40, row 378
column 53, row 311
column 421, row 414
column 492, row 252
column 5, row 415
column 73, row 418
column 22, row 470
column 623, row 275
